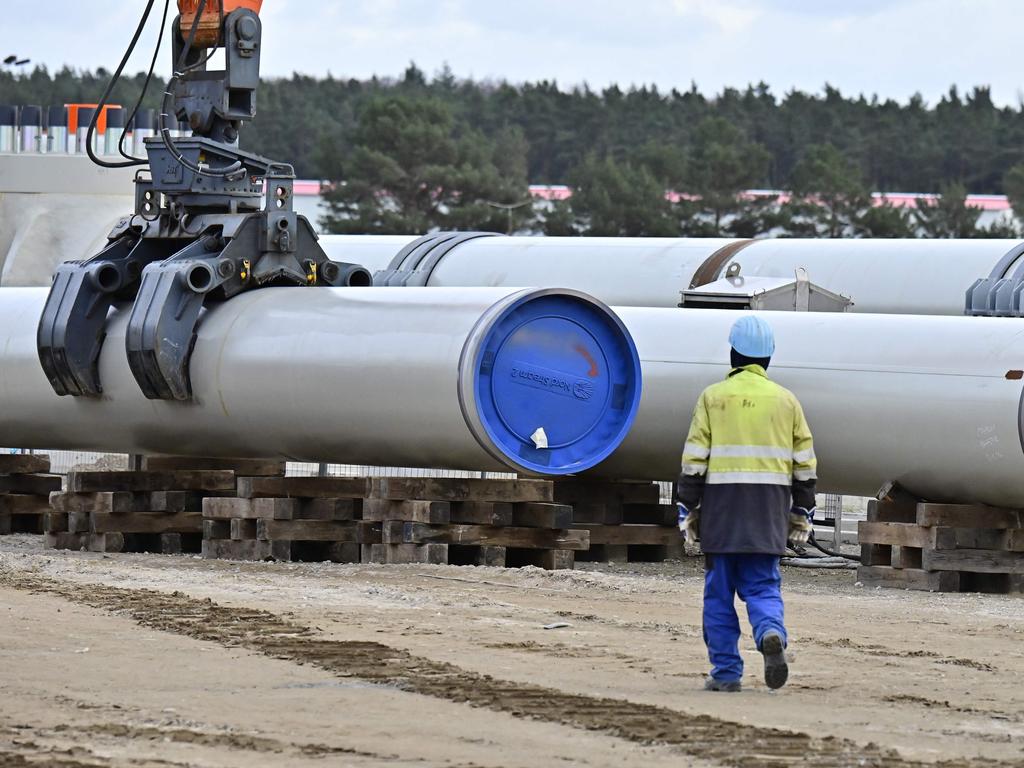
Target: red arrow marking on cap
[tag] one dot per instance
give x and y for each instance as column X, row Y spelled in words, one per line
column 589, row 358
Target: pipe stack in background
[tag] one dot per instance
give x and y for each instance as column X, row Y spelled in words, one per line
column 929, row 277
column 61, row 130
column 55, row 204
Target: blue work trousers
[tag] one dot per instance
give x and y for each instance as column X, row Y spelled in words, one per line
column 756, row 579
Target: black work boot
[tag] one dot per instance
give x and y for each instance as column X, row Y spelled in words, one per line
column 776, row 670
column 722, row 686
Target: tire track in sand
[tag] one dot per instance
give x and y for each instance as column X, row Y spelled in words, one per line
column 709, row 738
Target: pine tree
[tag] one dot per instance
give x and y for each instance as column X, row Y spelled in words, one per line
column 1013, row 184
column 830, row 197
column 949, row 215
column 617, row 200
column 722, row 164
column 413, row 170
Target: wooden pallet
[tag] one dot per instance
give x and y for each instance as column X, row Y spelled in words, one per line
column 168, row 522
column 503, row 523
column 461, row 489
column 157, row 508
column 942, row 547
column 24, row 464
column 630, row 543
column 25, row 486
column 626, row 520
column 290, row 519
column 162, row 543
column 605, row 502
column 149, row 510
column 393, row 521
column 132, row 481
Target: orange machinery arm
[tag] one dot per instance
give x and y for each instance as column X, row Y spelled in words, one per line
column 208, row 33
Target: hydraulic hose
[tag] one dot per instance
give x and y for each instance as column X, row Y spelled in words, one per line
column 814, row 543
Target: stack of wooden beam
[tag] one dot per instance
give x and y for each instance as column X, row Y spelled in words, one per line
column 155, row 509
column 392, row 520
column 472, row 522
column 290, row 518
column 909, row 544
column 25, row 488
column 626, row 520
column 248, row 510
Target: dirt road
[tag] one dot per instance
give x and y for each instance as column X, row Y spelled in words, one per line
column 110, row 660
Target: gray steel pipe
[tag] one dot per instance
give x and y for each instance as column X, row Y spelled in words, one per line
column 538, row 381
column 881, row 276
column 387, row 376
column 931, row 402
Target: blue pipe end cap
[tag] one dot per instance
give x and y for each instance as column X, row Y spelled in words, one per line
column 557, row 382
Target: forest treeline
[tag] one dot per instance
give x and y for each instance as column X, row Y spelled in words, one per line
column 419, row 153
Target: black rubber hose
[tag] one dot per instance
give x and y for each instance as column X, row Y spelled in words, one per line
column 814, row 543
column 106, row 95
column 145, row 88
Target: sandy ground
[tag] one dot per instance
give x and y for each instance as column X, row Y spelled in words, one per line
column 110, row 660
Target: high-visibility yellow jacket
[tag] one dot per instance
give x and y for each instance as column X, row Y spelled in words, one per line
column 749, row 457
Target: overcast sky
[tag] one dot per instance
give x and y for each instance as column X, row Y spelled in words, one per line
column 890, row 47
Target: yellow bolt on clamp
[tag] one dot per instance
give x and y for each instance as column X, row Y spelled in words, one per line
column 245, row 269
column 311, row 277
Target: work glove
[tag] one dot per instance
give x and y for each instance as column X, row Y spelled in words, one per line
column 689, row 523
column 801, row 524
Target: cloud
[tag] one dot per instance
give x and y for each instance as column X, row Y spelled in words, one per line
column 890, row 47
column 729, row 17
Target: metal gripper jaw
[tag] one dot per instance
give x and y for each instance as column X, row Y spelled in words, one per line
column 171, row 279
column 163, row 324
column 73, row 324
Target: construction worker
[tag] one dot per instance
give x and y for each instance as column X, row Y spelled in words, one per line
column 747, row 487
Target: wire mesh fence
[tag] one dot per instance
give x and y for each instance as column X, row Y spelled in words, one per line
column 830, row 504
column 307, row 469
column 62, row 462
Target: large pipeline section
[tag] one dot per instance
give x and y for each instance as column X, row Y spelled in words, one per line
column 537, row 381
column 928, row 277
column 461, row 378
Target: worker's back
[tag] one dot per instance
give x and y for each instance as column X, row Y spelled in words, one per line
column 747, row 432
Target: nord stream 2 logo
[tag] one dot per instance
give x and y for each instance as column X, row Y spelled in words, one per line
column 552, row 381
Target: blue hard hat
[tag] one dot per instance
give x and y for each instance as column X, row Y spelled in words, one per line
column 752, row 337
